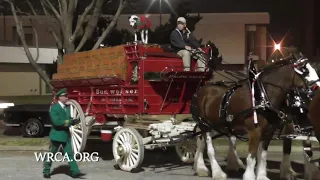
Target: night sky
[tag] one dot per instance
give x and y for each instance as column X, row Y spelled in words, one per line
column 284, row 14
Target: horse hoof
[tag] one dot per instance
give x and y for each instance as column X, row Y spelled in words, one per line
column 220, row 176
column 289, row 175
column 262, row 178
column 202, row 172
column 248, row 176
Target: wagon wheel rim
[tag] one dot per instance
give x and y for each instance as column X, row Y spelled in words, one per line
column 32, row 128
column 128, row 150
column 186, row 150
column 78, row 131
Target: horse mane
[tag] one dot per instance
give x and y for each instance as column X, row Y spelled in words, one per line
column 275, row 65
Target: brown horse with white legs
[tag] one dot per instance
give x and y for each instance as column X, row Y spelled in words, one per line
column 312, row 169
column 230, row 111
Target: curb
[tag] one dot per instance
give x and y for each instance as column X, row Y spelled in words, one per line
column 221, row 148
column 24, row 148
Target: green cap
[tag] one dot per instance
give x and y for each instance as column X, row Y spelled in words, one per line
column 61, row 92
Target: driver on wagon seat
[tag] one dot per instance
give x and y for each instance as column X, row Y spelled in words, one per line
column 182, row 41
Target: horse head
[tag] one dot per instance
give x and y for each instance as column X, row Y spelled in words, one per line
column 133, row 20
column 303, row 67
column 214, row 58
column 290, row 72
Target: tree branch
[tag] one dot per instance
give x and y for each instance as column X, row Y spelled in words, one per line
column 111, row 25
column 71, row 6
column 59, row 45
column 36, row 39
column 60, row 7
column 25, row 46
column 21, row 12
column 32, row 8
column 52, row 8
column 82, row 20
column 64, row 7
column 91, row 24
column 57, row 39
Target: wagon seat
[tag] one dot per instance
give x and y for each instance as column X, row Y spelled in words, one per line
column 166, row 58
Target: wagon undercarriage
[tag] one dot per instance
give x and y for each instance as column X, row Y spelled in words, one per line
column 150, row 132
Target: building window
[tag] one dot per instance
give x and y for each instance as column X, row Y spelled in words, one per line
column 28, row 34
column 250, row 39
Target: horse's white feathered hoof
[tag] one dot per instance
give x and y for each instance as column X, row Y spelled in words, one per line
column 249, row 176
column 286, row 171
column 249, row 173
column 220, row 176
column 262, row 178
column 288, row 174
column 202, row 172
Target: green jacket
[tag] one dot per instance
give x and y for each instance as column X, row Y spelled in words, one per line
column 61, row 121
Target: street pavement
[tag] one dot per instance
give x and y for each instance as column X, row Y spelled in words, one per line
column 158, row 165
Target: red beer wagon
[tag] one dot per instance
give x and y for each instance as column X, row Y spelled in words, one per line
column 140, row 93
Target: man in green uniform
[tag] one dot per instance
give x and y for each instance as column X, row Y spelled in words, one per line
column 60, row 135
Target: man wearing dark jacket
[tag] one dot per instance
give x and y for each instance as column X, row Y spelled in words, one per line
column 182, row 41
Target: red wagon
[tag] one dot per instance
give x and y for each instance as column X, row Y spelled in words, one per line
column 146, row 108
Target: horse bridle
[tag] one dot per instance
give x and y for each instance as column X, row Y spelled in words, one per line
column 308, row 73
column 299, row 66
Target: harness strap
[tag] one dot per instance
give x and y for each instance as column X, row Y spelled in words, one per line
column 255, row 117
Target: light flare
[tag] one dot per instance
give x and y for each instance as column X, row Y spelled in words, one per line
column 277, row 47
column 166, row 1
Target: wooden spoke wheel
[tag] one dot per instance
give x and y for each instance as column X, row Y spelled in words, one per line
column 186, row 150
column 128, row 149
column 79, row 132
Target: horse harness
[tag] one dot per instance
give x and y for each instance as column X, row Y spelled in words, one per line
column 256, row 87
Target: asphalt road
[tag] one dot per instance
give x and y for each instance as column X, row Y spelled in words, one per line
column 158, row 165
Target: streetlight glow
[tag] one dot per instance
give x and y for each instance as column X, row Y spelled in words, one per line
column 277, row 47
column 167, row 2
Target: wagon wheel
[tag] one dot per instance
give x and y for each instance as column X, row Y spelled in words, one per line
column 186, row 150
column 128, row 149
column 79, row 132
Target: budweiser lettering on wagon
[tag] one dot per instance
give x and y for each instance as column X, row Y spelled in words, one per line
column 101, row 91
column 115, row 91
column 131, row 91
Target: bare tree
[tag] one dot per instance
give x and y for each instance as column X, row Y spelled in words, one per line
column 64, row 12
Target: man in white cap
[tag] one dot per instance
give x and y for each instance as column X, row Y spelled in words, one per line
column 182, row 41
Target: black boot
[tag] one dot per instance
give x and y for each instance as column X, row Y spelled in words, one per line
column 47, row 176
